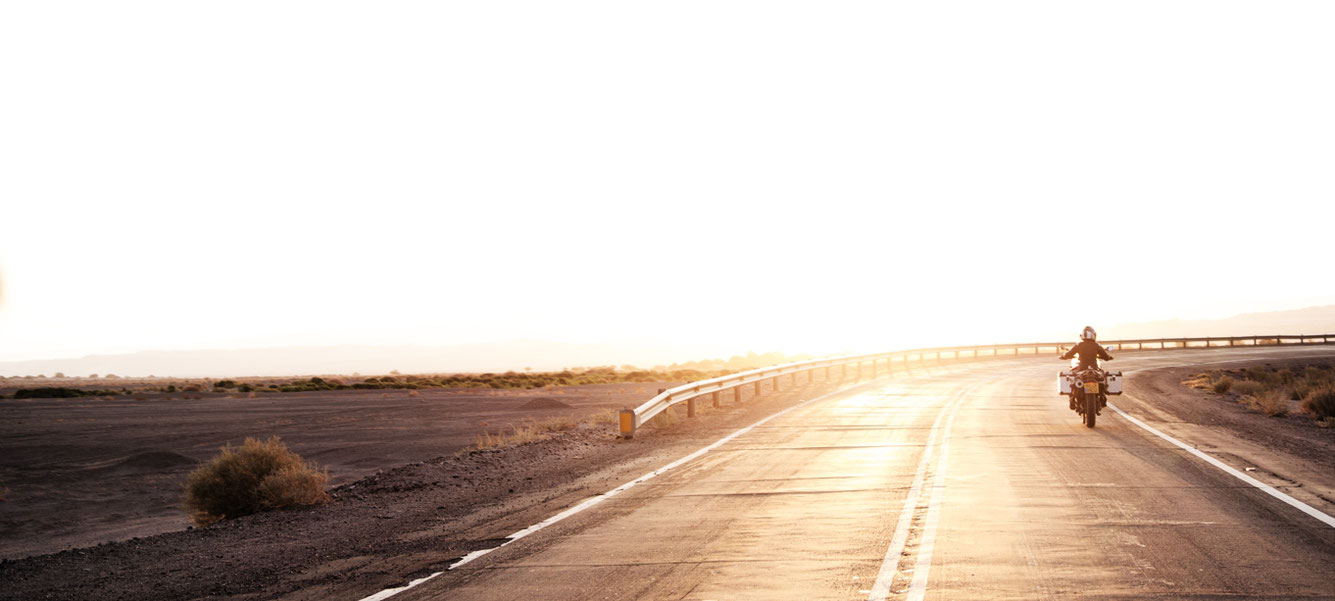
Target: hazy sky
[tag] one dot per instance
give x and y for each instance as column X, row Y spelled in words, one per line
column 797, row 176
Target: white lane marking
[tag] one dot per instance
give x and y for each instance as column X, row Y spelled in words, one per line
column 1265, row 488
column 590, row 502
column 890, row 564
column 918, row 587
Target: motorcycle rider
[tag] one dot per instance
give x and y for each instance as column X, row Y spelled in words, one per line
column 1089, row 352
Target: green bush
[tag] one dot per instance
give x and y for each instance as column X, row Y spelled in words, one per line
column 258, row 476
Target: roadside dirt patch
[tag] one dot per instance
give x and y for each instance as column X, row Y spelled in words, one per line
column 542, row 404
column 1296, row 433
column 84, row 471
column 386, row 526
column 1291, row 453
column 155, row 460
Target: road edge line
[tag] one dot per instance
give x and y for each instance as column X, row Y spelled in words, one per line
column 1263, row 487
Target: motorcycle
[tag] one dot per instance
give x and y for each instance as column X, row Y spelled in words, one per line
column 1088, row 390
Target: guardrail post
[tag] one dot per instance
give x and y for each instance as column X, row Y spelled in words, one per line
column 775, row 382
column 757, row 387
column 690, row 407
column 627, row 421
column 737, row 394
column 873, row 369
column 716, row 403
column 843, row 371
column 793, row 379
column 1231, row 341
column 809, row 376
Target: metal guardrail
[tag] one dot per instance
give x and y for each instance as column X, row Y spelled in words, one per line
column 631, row 419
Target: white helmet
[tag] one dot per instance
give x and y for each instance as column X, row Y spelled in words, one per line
column 1088, row 333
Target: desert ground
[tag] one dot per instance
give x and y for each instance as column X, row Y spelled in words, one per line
column 426, row 498
column 409, row 495
column 84, row 471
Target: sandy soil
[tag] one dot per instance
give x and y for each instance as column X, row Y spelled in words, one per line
column 86, row 471
column 387, row 527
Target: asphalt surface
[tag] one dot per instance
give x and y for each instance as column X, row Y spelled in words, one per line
column 969, row 481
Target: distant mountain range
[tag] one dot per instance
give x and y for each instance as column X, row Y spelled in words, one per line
column 541, row 355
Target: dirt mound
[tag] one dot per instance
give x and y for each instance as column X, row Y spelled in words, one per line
column 155, row 460
column 543, row 402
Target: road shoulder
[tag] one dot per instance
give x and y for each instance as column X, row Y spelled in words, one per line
column 1290, row 453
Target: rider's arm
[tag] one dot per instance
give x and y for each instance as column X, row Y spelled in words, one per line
column 1103, row 354
column 1069, row 354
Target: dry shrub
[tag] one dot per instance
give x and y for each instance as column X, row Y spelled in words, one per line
column 1320, row 403
column 413, row 394
column 1222, row 385
column 1201, row 381
column 1261, row 374
column 529, row 431
column 257, row 476
column 556, row 424
column 606, row 416
column 1328, row 422
column 665, row 419
column 1247, row 387
column 516, row 436
column 1270, row 402
column 486, row 440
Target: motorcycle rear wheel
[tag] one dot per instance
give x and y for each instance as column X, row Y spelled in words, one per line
column 1091, row 409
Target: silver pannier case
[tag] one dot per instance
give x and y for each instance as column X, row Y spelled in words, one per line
column 1066, row 380
column 1114, row 382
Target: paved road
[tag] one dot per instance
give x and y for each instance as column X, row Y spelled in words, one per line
column 970, row 481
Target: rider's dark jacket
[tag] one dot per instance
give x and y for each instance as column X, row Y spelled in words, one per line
column 1089, row 352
